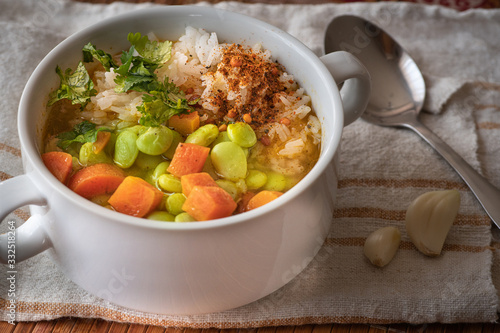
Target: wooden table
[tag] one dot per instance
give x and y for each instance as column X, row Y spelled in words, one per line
column 73, row 325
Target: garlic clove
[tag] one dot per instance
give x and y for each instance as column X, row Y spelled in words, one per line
column 429, row 219
column 381, row 245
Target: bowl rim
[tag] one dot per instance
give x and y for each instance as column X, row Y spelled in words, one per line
column 328, row 147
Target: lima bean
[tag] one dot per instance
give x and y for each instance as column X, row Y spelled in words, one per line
column 204, row 135
column 170, row 183
column 87, row 156
column 126, row 150
column 222, row 137
column 255, row 179
column 176, row 139
column 155, row 140
column 275, row 182
column 229, row 160
column 184, row 217
column 160, row 215
column 242, row 134
column 229, row 187
column 148, row 162
column 160, row 170
column 175, row 202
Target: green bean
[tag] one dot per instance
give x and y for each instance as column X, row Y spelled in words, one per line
column 242, row 134
column 229, row 187
column 176, row 139
column 204, row 135
column 155, row 141
column 148, row 162
column 275, row 182
column 126, row 149
column 175, row 202
column 87, row 156
column 255, row 179
column 229, row 160
column 170, row 183
column 160, row 215
column 184, row 217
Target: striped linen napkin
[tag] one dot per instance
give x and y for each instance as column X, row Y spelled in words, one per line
column 381, row 171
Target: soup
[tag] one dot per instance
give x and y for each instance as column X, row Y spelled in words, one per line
column 183, row 131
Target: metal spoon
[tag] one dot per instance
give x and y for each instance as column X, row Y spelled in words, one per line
column 398, row 93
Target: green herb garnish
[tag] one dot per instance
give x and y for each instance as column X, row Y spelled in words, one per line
column 90, row 52
column 76, row 86
column 82, row 132
column 161, row 104
column 137, row 72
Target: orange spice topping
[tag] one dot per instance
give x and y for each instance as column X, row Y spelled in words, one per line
column 254, row 80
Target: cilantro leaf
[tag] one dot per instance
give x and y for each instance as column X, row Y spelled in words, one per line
column 161, row 104
column 138, row 72
column 90, row 52
column 135, row 73
column 153, row 51
column 81, row 133
column 76, row 86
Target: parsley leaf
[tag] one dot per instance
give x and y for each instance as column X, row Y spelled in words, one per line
column 76, row 86
column 81, row 133
column 90, row 52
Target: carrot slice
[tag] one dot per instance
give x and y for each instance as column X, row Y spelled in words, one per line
column 188, row 158
column 96, row 180
column 101, row 141
column 208, row 203
column 185, row 123
column 262, row 198
column 135, row 197
column 196, row 179
column 59, row 163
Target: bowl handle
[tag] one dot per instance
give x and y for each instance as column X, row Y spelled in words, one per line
column 30, row 238
column 355, row 93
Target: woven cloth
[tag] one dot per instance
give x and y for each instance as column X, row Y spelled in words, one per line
column 381, row 171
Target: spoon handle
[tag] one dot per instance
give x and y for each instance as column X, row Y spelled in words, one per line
column 487, row 194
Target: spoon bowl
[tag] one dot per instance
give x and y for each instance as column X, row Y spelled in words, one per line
column 399, row 87
column 398, row 93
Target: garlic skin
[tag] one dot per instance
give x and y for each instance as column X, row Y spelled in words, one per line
column 429, row 219
column 381, row 245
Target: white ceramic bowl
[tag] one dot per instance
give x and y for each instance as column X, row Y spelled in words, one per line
column 186, row 268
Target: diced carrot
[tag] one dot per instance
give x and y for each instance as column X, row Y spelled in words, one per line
column 208, row 203
column 101, row 141
column 96, row 180
column 59, row 163
column 135, row 197
column 185, row 123
column 243, row 203
column 196, row 179
column 262, row 198
column 188, row 158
